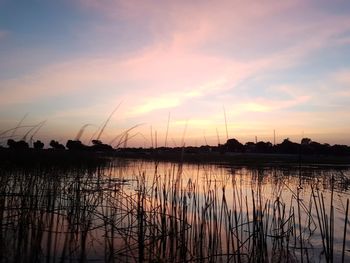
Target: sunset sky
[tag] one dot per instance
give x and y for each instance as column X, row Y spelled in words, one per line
column 270, row 65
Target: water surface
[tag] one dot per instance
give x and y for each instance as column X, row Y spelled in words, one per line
column 131, row 211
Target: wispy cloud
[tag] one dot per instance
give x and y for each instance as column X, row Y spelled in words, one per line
column 197, row 53
column 172, row 62
column 152, row 104
column 168, row 100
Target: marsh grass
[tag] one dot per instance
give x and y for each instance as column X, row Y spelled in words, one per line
column 148, row 212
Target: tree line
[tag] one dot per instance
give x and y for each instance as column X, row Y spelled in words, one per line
column 306, row 146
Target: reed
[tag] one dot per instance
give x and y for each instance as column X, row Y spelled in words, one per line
column 123, row 212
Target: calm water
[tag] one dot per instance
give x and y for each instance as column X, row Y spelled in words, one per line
column 131, row 211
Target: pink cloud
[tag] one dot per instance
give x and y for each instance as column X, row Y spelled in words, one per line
column 175, row 67
column 154, row 71
column 189, row 24
column 57, row 79
column 169, row 65
column 182, row 27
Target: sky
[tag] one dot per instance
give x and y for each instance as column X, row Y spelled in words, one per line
column 176, row 68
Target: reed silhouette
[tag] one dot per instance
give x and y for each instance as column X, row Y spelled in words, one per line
column 152, row 212
column 233, row 151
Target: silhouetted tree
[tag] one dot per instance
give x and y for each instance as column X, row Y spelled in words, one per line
column 19, row 145
column 99, row 146
column 102, row 147
column 76, row 145
column 96, row 142
column 11, row 143
column 340, row 149
column 38, row 145
column 56, row 145
column 205, row 148
column 305, row 141
column 191, row 149
column 318, row 148
column 288, row 147
column 249, row 147
column 264, row 147
column 232, row 145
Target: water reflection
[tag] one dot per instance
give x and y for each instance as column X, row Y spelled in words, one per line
column 136, row 211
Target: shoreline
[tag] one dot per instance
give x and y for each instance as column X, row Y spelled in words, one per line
column 10, row 157
column 243, row 159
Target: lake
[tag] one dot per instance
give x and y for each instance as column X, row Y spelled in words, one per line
column 146, row 211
